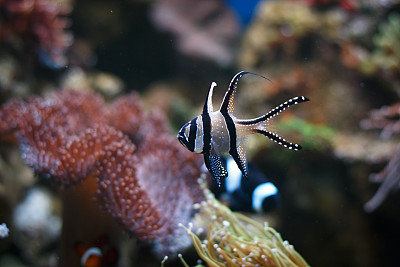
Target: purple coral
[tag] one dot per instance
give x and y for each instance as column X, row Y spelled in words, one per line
column 390, row 179
column 386, row 119
column 146, row 180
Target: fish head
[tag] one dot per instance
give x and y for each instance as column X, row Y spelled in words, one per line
column 191, row 136
column 183, row 135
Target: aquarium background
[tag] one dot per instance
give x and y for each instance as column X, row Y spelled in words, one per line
column 339, row 195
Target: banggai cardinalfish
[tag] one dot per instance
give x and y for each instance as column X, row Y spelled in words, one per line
column 213, row 133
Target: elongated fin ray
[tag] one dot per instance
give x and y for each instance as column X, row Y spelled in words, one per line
column 215, row 167
column 275, row 111
column 278, row 139
column 208, row 106
column 227, row 103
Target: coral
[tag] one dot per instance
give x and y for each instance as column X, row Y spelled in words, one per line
column 35, row 216
column 349, row 5
column 277, row 22
column 283, row 28
column 204, row 29
column 387, row 118
column 390, row 179
column 236, row 240
column 4, row 230
column 38, row 25
column 36, row 222
column 72, row 135
column 51, row 131
column 140, row 179
column 386, row 55
column 362, row 147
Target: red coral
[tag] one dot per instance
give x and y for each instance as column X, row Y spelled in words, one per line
column 129, row 111
column 37, row 24
column 151, row 192
column 51, row 131
column 73, row 135
column 163, row 157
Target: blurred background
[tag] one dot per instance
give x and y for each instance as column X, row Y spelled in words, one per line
column 339, row 200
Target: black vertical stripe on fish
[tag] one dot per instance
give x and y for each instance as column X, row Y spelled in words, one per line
column 192, row 134
column 233, row 143
column 206, row 133
column 230, row 124
column 228, row 100
column 277, row 139
column 275, row 111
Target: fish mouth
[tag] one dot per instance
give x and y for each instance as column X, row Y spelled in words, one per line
column 181, row 139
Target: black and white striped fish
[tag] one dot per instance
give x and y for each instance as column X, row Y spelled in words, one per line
column 216, row 132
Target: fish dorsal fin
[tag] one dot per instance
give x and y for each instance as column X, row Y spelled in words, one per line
column 227, row 104
column 208, row 106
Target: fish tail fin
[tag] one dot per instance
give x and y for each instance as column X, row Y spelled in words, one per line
column 278, row 139
column 259, row 125
column 273, row 112
column 278, row 109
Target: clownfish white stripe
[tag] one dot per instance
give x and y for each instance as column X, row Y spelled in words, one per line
column 260, row 193
column 93, row 251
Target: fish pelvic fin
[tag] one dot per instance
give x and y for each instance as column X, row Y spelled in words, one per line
column 227, row 105
column 215, row 167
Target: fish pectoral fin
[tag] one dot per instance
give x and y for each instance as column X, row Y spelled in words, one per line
column 215, row 167
column 279, row 140
column 239, row 157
